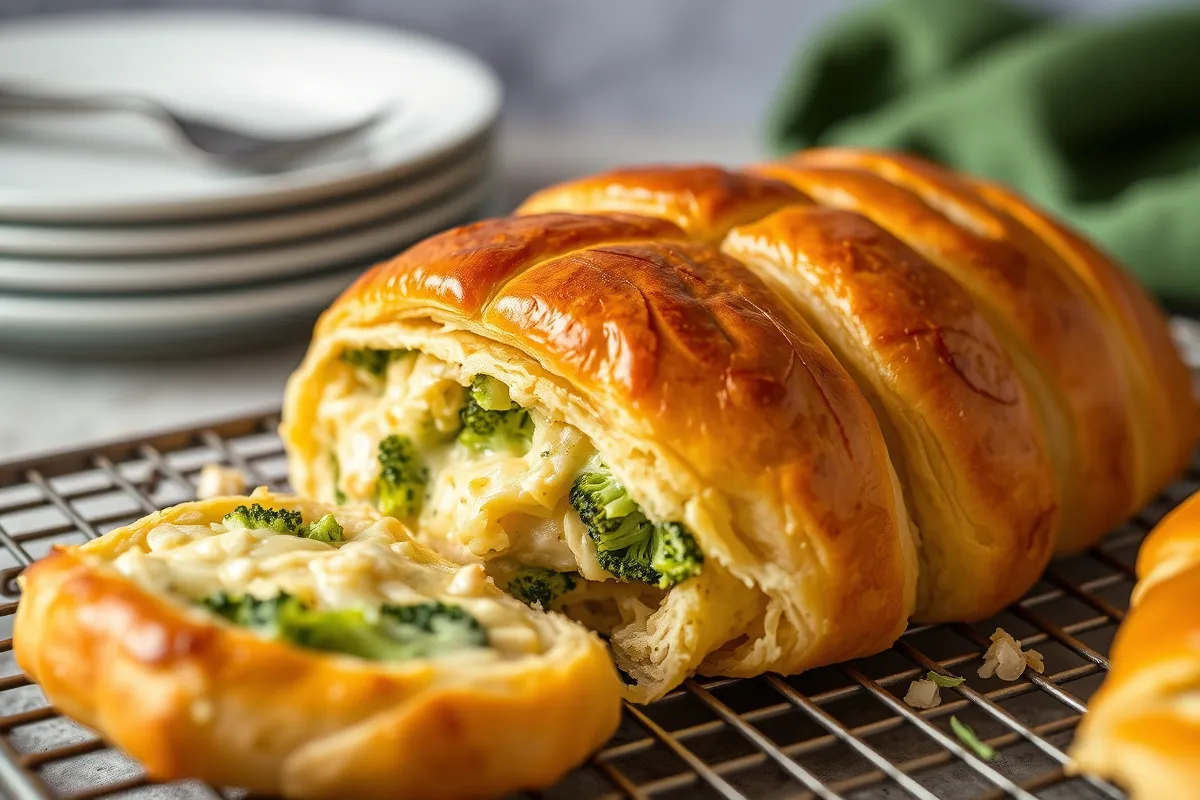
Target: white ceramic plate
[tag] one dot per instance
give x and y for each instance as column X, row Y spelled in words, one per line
column 173, row 324
column 80, row 242
column 274, row 73
column 292, row 257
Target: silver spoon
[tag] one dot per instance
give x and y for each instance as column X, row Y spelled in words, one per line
column 223, row 144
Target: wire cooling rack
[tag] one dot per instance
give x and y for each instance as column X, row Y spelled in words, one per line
column 841, row 731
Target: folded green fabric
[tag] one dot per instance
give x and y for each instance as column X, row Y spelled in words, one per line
column 1098, row 121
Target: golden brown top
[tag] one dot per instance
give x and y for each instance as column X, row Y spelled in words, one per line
column 705, row 201
column 1027, row 294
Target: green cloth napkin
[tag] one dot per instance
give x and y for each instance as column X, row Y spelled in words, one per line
column 1098, row 121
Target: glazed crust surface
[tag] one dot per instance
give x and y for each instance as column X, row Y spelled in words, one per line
column 191, row 697
column 962, row 432
column 1143, row 726
column 1054, row 334
column 705, row 201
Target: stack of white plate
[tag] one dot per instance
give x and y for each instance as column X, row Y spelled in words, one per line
column 115, row 240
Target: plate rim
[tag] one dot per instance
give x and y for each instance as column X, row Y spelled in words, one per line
column 353, row 180
column 197, row 239
column 191, row 273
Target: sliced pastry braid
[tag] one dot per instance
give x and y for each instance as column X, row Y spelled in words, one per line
column 644, row 415
column 748, row 420
column 301, row 650
column 1142, row 728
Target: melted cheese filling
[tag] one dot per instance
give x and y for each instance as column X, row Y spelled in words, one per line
column 502, row 508
column 370, row 568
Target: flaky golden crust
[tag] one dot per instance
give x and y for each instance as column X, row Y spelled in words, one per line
column 960, row 429
column 1166, row 415
column 713, row 400
column 703, row 200
column 1057, row 338
column 1143, row 725
column 189, row 696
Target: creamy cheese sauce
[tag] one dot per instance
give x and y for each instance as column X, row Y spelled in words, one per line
column 479, row 506
column 370, row 568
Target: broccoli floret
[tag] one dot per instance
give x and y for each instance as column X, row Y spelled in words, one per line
column 280, row 520
column 541, row 586
column 400, row 488
column 628, row 545
column 326, row 529
column 675, row 554
column 394, row 633
column 491, row 421
column 491, row 394
column 431, row 628
column 248, row 612
column 373, row 362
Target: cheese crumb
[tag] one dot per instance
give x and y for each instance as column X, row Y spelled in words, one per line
column 1006, row 661
column 923, row 694
column 219, row 481
column 468, row 581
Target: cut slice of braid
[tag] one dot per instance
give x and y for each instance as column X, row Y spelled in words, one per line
column 1142, row 728
column 311, row 652
column 858, row 384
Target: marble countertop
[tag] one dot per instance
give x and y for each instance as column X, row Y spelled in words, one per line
column 48, row 405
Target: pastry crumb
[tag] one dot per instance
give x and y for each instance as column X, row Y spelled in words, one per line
column 468, row 581
column 1006, row 660
column 217, row 480
column 923, row 694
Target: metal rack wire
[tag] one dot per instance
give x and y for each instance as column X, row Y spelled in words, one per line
column 835, row 732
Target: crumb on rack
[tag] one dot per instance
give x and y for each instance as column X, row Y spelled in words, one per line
column 923, row 694
column 968, row 737
column 1005, row 659
column 218, row 480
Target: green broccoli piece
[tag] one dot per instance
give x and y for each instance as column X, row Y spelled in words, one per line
column 394, row 633
column 248, row 612
column 400, row 488
column 373, row 362
column 674, row 554
column 491, row 394
column 280, row 520
column 536, row 585
column 491, row 421
column 326, row 529
column 432, row 627
column 628, row 545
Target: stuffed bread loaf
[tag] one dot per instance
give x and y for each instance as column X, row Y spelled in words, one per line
column 310, row 656
column 758, row 417
column 648, row 395
column 1142, row 728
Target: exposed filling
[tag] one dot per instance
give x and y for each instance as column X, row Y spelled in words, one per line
column 484, row 479
column 355, row 590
